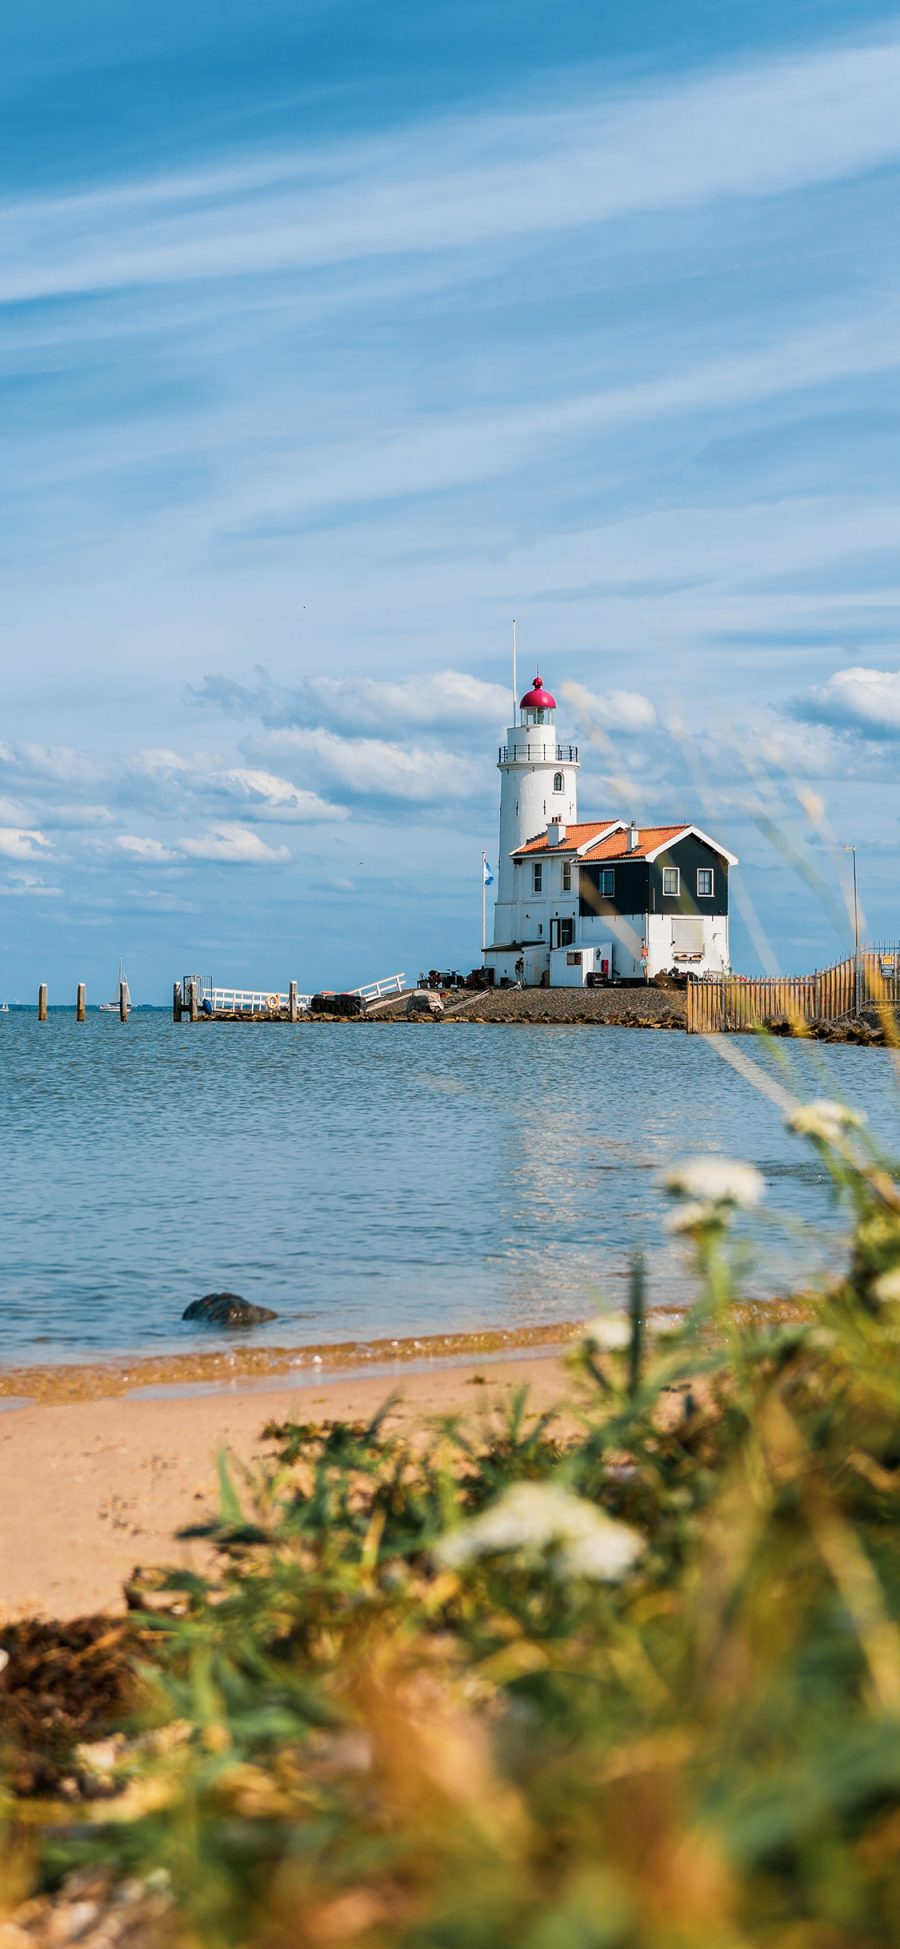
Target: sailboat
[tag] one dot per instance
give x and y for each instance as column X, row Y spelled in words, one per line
column 4, row 1008
column 112, row 1008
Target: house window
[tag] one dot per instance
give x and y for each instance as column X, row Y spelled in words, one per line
column 671, row 881
column 607, row 883
column 559, row 783
column 705, row 887
column 566, row 933
column 567, row 876
column 537, row 875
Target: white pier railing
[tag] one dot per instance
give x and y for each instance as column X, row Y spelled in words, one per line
column 375, row 991
column 249, row 1001
column 272, row 1002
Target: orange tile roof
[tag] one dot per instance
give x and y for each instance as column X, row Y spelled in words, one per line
column 650, row 839
column 587, row 834
column 575, row 836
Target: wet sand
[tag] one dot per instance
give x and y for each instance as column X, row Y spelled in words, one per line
column 97, row 1477
column 229, row 1358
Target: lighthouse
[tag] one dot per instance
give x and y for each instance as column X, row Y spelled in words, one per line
column 587, row 901
column 538, row 788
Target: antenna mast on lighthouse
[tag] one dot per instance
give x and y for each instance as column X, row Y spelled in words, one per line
column 515, row 715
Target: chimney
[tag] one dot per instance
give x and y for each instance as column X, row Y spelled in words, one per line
column 634, row 837
column 556, row 832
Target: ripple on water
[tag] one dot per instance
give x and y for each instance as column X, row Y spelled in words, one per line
column 363, row 1182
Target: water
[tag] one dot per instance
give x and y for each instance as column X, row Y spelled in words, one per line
column 369, row 1181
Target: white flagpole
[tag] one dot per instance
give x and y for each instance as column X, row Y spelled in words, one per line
column 515, row 685
column 483, row 905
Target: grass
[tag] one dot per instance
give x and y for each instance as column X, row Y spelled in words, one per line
column 626, row 1677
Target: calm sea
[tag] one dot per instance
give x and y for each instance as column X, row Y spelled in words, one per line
column 370, row 1181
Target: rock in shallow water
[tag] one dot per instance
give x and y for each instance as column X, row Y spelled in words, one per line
column 226, row 1309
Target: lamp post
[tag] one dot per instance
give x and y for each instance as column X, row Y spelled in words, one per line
column 856, row 983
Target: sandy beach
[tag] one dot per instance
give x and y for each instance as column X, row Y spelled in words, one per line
column 96, row 1479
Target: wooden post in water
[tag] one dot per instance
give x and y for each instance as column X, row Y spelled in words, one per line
column 80, row 996
column 42, row 1002
column 123, row 1001
column 195, row 1002
column 292, row 1002
column 176, row 1002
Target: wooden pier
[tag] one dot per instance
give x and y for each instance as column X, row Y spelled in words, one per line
column 194, row 1000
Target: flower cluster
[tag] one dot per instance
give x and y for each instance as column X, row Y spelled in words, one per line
column 824, row 1120
column 532, row 1518
column 711, row 1189
column 608, row 1333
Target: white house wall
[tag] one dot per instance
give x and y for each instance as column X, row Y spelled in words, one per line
column 715, row 951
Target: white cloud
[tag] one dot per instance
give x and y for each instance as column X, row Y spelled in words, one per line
column 613, row 710
column 233, row 843
column 24, row 886
column 150, row 852
column 157, row 762
column 372, row 767
column 282, row 800
column 57, row 761
column 441, row 697
column 451, row 698
column 860, row 700
column 20, row 842
column 76, row 816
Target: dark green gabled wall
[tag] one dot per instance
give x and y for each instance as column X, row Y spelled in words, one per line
column 639, row 883
column 688, row 854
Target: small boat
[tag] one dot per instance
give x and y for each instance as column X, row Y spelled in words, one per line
column 4, row 1008
column 112, row 1008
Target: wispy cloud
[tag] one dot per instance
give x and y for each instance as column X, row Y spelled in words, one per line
column 757, row 130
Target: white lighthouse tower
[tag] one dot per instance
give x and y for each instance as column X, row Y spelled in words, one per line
column 538, row 787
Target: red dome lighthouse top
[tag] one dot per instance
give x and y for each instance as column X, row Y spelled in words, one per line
column 537, row 698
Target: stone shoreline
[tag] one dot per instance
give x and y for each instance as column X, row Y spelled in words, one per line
column 632, row 1008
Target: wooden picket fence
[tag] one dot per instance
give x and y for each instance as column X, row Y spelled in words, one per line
column 730, row 1002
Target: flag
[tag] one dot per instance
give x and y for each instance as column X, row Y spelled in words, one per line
column 488, row 875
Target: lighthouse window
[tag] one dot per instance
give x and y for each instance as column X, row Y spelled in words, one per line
column 537, row 872
column 567, row 876
column 558, row 782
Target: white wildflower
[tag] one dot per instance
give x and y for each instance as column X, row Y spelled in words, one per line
column 886, row 1287
column 717, row 1181
column 608, row 1333
column 532, row 1517
column 824, row 1120
column 694, row 1217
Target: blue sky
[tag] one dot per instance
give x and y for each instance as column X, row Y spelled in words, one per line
column 334, row 336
